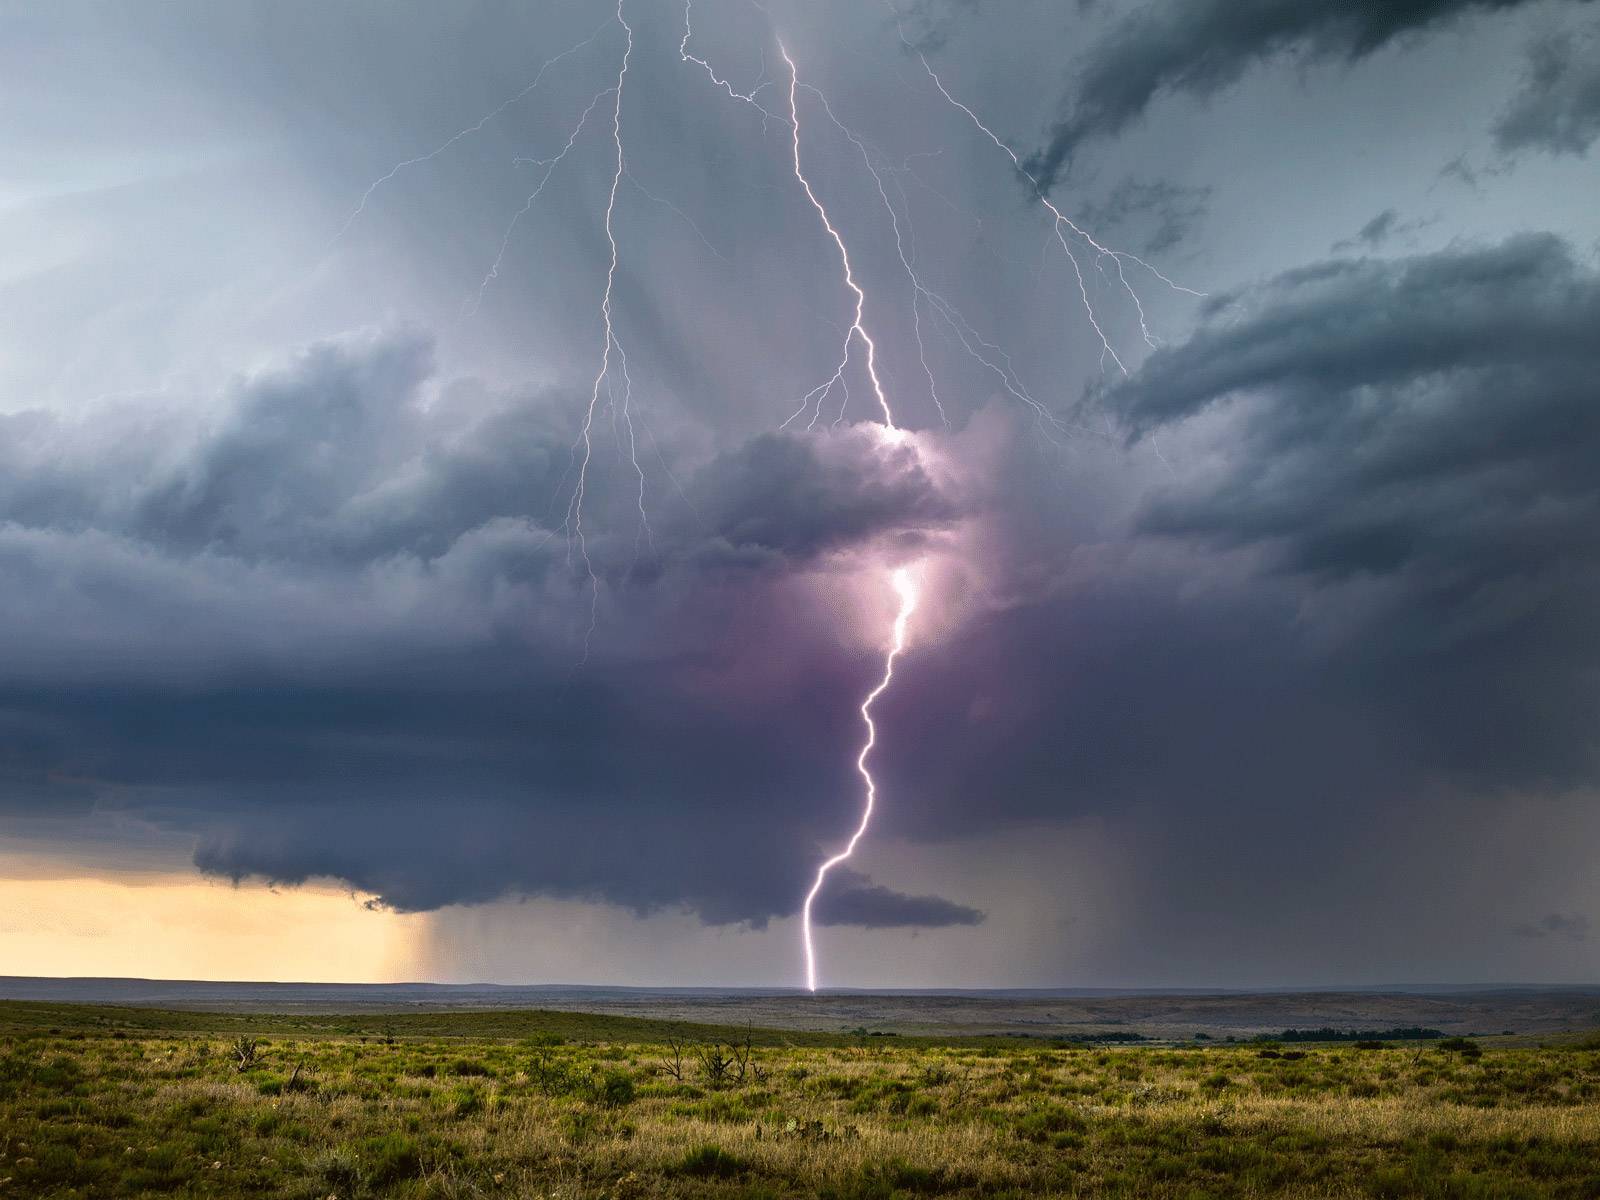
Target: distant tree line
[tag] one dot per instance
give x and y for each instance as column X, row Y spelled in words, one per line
column 1400, row 1033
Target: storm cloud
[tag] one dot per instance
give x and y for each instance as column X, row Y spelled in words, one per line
column 203, row 578
column 1413, row 440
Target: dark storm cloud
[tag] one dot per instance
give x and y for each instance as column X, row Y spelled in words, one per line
column 1319, row 334
column 852, row 899
column 335, row 631
column 1379, row 588
column 1403, row 500
column 334, row 459
column 1202, row 47
column 1416, row 441
column 1557, row 108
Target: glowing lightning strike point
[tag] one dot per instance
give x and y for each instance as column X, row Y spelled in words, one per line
column 857, row 328
column 905, row 587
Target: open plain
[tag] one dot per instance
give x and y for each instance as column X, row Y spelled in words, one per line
column 115, row 1101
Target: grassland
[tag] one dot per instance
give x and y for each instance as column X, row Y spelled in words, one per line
column 127, row 1102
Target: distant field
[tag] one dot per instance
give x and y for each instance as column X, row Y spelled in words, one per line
column 133, row 1102
column 1531, row 1011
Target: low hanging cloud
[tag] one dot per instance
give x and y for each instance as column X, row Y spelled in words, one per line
column 1202, row 47
column 851, row 898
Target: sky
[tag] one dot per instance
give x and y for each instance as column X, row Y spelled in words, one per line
column 374, row 614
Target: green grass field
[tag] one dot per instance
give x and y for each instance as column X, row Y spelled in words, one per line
column 131, row 1102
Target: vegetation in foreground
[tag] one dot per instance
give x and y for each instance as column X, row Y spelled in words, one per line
column 112, row 1102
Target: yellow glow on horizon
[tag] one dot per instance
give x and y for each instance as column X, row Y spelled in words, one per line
column 172, row 926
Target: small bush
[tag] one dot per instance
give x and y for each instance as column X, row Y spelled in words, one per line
column 711, row 1162
column 616, row 1089
column 391, row 1158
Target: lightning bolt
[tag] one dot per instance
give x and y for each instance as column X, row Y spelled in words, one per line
column 538, row 78
column 857, row 328
column 603, row 376
column 748, row 97
column 548, row 165
column 977, row 348
column 906, row 588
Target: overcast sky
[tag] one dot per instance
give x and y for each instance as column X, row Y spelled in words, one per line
column 1260, row 558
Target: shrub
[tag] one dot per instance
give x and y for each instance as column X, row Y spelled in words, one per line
column 616, row 1089
column 246, row 1052
column 711, row 1162
column 391, row 1158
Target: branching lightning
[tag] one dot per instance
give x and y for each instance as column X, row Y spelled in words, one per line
column 548, row 167
column 476, row 127
column 603, row 376
column 1061, row 223
column 906, row 588
column 748, row 97
column 612, row 383
column 857, row 328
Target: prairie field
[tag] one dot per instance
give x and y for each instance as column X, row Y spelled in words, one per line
column 128, row 1102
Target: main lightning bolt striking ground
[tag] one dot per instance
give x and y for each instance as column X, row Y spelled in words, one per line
column 906, row 588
